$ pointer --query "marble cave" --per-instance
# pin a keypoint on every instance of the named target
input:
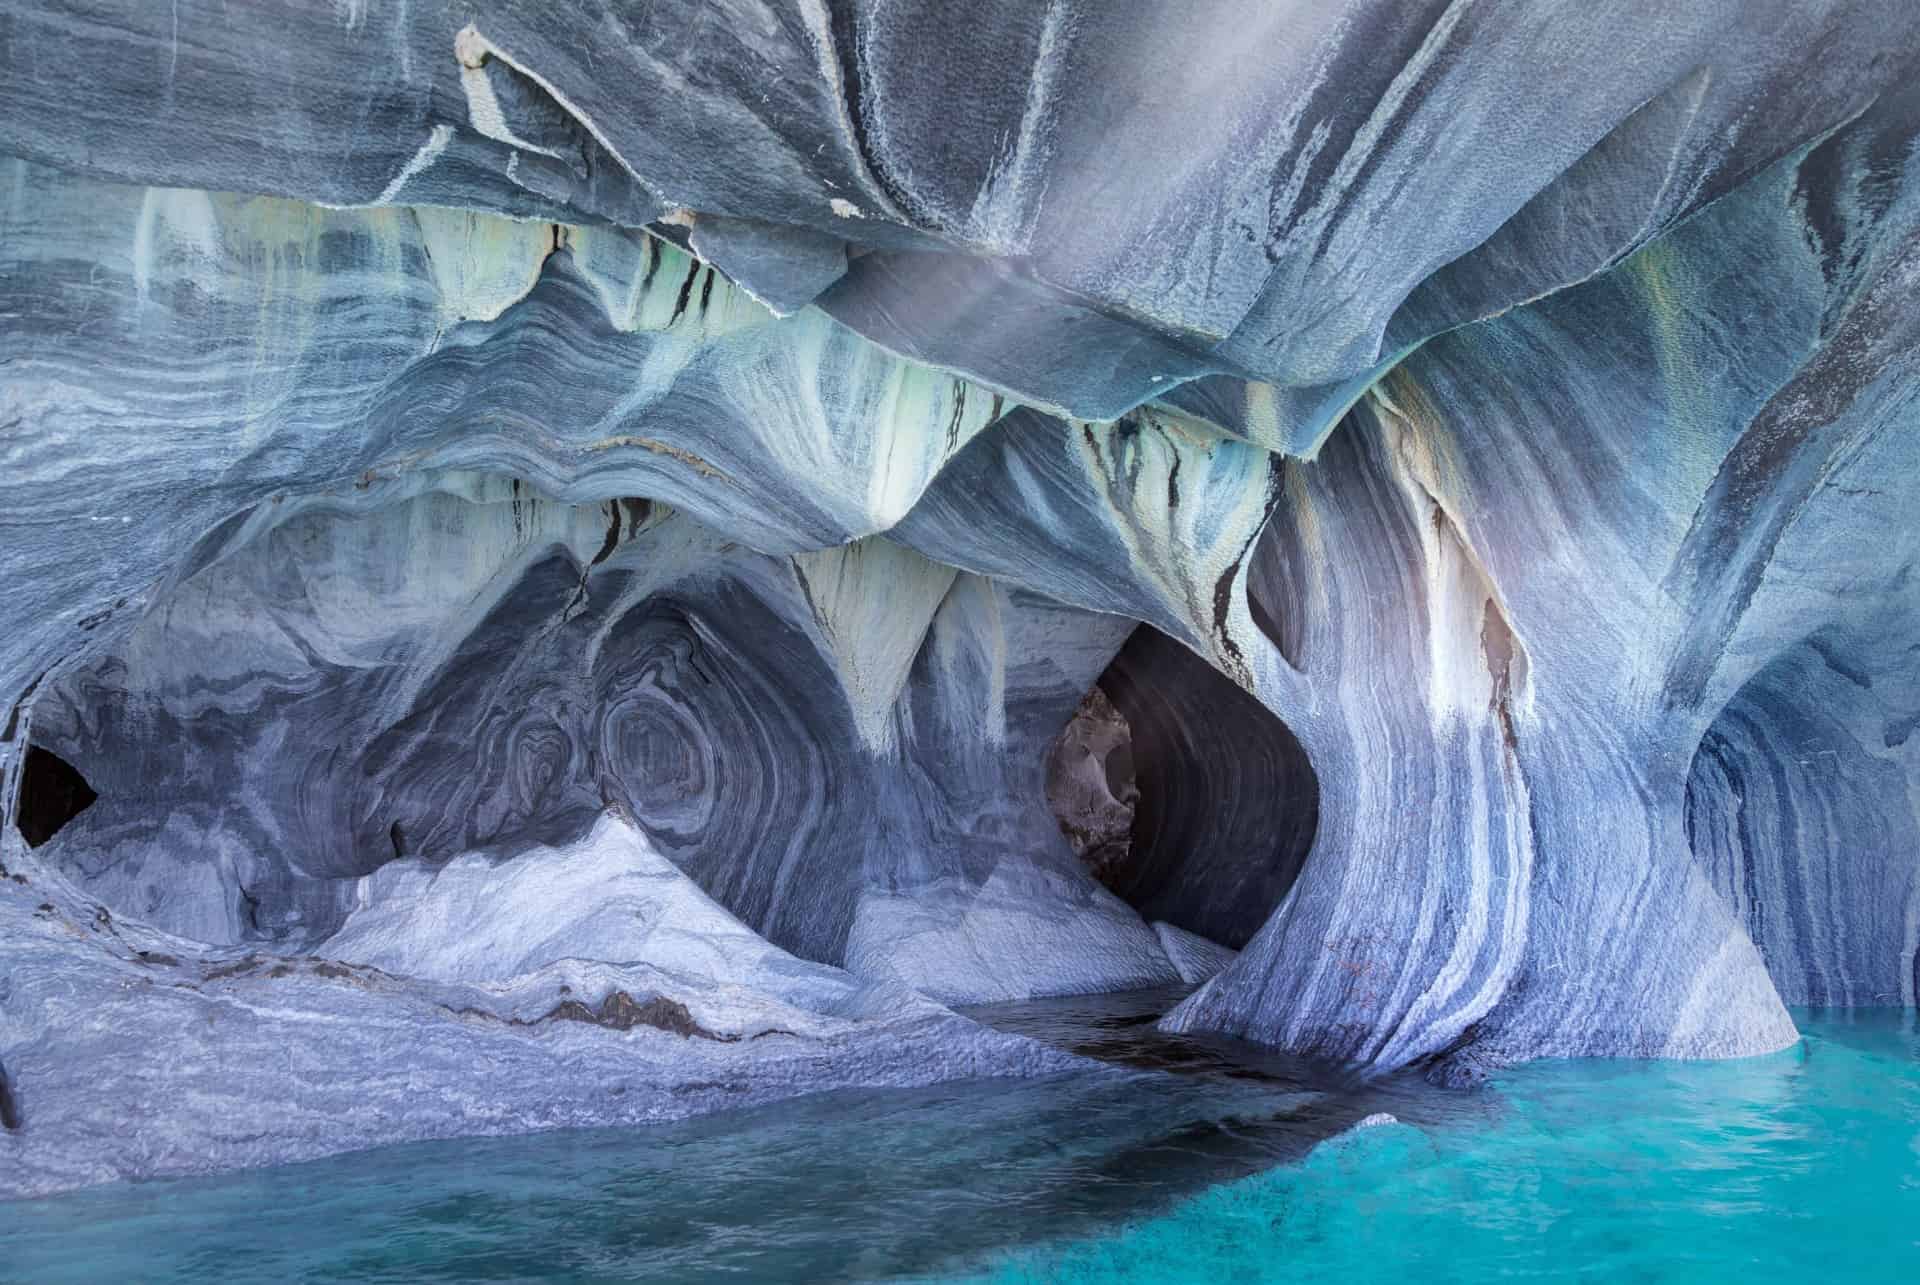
(590, 563)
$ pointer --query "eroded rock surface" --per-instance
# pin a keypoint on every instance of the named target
(543, 581)
(1091, 784)
(821, 742)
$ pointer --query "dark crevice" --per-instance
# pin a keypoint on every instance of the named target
(650, 255)
(1505, 663)
(9, 1108)
(846, 47)
(620, 1011)
(612, 541)
(52, 793)
(1277, 580)
(686, 292)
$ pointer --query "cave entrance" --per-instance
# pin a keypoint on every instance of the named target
(1183, 794)
(52, 793)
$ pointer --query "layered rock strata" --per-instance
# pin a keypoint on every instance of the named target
(534, 519)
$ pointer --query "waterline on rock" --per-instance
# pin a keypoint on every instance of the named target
(1802, 1161)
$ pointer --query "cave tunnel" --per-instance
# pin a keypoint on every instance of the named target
(1183, 794)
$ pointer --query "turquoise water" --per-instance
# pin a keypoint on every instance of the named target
(1191, 1163)
(1801, 1165)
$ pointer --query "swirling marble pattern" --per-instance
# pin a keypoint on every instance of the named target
(1800, 809)
(483, 668)
(265, 350)
(1582, 696)
(491, 758)
(422, 452)
(1445, 536)
(1307, 193)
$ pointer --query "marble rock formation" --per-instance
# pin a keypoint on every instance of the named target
(843, 748)
(577, 562)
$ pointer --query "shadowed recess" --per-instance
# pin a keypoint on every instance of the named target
(52, 793)
(1799, 812)
(1214, 803)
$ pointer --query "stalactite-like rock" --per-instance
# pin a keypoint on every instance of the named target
(263, 349)
(1325, 202)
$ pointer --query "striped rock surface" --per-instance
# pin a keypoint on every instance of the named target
(563, 536)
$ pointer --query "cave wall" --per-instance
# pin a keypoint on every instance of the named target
(1091, 785)
(1524, 443)
(264, 349)
(1804, 793)
(1308, 190)
(1800, 808)
(1570, 518)
(1514, 399)
(831, 743)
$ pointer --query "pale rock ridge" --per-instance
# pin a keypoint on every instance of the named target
(1194, 957)
(609, 896)
(198, 1061)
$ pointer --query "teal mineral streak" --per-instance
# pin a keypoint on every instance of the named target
(1801, 1165)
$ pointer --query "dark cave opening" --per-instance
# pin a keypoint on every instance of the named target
(1184, 795)
(52, 793)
